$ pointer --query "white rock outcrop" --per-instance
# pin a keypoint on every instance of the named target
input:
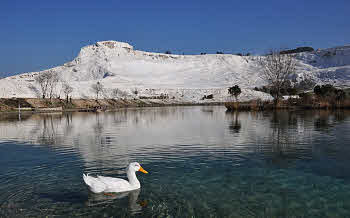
(183, 77)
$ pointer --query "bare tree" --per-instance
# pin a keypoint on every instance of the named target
(67, 89)
(116, 92)
(123, 94)
(47, 81)
(275, 70)
(43, 80)
(53, 83)
(97, 88)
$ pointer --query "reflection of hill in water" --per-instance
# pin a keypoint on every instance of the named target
(171, 132)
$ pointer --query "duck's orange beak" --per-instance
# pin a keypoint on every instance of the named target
(142, 170)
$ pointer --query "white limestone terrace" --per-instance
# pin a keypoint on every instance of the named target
(184, 78)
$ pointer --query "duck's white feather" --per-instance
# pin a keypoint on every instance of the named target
(94, 184)
(115, 184)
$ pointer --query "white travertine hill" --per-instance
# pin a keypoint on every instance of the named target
(183, 77)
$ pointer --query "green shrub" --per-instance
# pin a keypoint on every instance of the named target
(235, 91)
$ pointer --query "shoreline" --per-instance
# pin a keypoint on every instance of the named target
(34, 105)
(269, 106)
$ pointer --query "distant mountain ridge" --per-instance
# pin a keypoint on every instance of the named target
(118, 65)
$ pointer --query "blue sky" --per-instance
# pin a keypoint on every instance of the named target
(37, 34)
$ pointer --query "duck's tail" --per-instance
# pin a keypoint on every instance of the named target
(94, 184)
(86, 179)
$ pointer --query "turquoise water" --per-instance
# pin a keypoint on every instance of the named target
(203, 162)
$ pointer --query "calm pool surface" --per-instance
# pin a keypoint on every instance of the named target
(202, 162)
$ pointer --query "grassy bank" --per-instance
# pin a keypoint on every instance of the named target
(291, 104)
(35, 104)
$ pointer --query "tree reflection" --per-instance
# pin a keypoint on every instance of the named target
(69, 124)
(323, 121)
(341, 116)
(291, 135)
(326, 120)
(50, 125)
(101, 138)
(283, 137)
(98, 126)
(235, 125)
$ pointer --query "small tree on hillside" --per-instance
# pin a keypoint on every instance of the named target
(235, 91)
(115, 93)
(97, 88)
(53, 83)
(42, 80)
(67, 89)
(135, 91)
(318, 91)
(275, 68)
(47, 81)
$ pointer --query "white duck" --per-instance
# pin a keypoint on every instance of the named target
(110, 184)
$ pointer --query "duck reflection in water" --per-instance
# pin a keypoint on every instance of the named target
(133, 204)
